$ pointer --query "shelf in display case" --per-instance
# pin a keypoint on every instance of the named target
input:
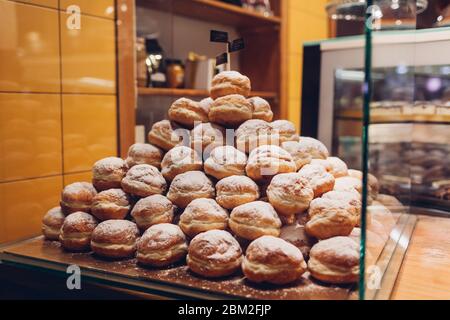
(392, 117)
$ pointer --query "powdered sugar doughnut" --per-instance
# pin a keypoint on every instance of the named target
(76, 231)
(234, 191)
(229, 82)
(107, 173)
(52, 223)
(261, 109)
(111, 204)
(254, 133)
(189, 186)
(144, 153)
(144, 180)
(225, 161)
(77, 196)
(179, 160)
(320, 180)
(153, 210)
(285, 130)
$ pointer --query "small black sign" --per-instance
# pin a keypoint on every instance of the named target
(221, 59)
(236, 45)
(218, 36)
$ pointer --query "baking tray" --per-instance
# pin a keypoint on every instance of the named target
(173, 282)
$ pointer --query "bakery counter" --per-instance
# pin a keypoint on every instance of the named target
(176, 282)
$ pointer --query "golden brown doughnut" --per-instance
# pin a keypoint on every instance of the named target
(110, 204)
(320, 180)
(338, 167)
(255, 219)
(76, 231)
(187, 112)
(314, 147)
(285, 130)
(179, 160)
(77, 196)
(189, 186)
(230, 111)
(206, 103)
(161, 245)
(261, 109)
(254, 133)
(207, 136)
(234, 191)
(202, 215)
(144, 153)
(324, 163)
(335, 260)
(230, 82)
(352, 198)
(144, 180)
(107, 173)
(52, 223)
(267, 161)
(115, 239)
(348, 184)
(290, 194)
(225, 161)
(213, 254)
(372, 182)
(330, 218)
(167, 135)
(273, 260)
(301, 155)
(152, 210)
(296, 234)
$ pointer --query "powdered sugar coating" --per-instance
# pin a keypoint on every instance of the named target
(261, 109)
(338, 251)
(285, 129)
(161, 236)
(109, 165)
(273, 251)
(79, 222)
(216, 246)
(225, 161)
(314, 147)
(116, 232)
(144, 153)
(144, 180)
(179, 160)
(256, 212)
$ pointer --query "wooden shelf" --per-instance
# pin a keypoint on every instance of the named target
(213, 11)
(376, 117)
(194, 93)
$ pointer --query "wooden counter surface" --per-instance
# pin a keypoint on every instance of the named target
(425, 273)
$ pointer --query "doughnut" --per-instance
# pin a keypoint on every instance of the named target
(112, 204)
(261, 109)
(144, 153)
(231, 110)
(324, 163)
(330, 218)
(348, 184)
(224, 162)
(214, 254)
(229, 82)
(144, 180)
(299, 153)
(374, 244)
(254, 133)
(338, 167)
(77, 196)
(187, 112)
(314, 147)
(167, 135)
(161, 245)
(285, 130)
(107, 173)
(255, 219)
(179, 160)
(189, 186)
(352, 198)
(76, 231)
(152, 210)
(115, 239)
(290, 194)
(296, 235)
(372, 182)
(234, 191)
(267, 161)
(335, 260)
(320, 180)
(273, 260)
(206, 136)
(52, 223)
(202, 215)
(206, 103)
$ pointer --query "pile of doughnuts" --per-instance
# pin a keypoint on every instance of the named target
(263, 200)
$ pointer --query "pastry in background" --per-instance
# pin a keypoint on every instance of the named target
(296, 234)
(144, 180)
(255, 219)
(348, 184)
(189, 186)
(224, 162)
(314, 147)
(203, 215)
(254, 133)
(110, 204)
(299, 153)
(230, 82)
(108, 173)
(273, 260)
(261, 109)
(285, 130)
(77, 196)
(207, 136)
(76, 231)
(179, 160)
(234, 191)
(338, 167)
(320, 180)
(144, 153)
(52, 223)
(372, 182)
(115, 239)
(335, 260)
(161, 245)
(167, 135)
(352, 198)
(231, 110)
(153, 210)
(214, 254)
(187, 112)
